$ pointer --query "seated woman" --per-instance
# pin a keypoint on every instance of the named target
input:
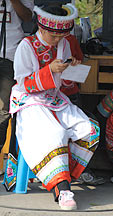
(56, 138)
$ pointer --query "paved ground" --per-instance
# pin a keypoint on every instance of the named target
(91, 201)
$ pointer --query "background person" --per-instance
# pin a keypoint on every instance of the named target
(17, 11)
(104, 114)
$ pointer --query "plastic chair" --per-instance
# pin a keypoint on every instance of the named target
(23, 175)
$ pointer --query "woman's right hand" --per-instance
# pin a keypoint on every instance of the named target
(57, 66)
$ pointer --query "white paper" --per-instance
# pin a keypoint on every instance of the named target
(76, 73)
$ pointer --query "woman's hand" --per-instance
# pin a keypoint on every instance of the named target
(74, 61)
(57, 66)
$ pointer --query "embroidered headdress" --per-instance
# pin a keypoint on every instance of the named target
(56, 23)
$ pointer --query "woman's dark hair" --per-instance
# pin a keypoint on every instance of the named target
(55, 9)
(35, 25)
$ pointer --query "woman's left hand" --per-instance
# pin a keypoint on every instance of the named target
(74, 61)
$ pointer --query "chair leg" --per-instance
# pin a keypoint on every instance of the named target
(22, 175)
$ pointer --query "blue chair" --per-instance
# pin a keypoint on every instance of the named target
(23, 175)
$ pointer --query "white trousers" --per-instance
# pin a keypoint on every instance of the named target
(39, 133)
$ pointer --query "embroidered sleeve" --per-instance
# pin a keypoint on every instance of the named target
(39, 81)
(27, 73)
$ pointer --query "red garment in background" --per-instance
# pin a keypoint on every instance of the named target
(109, 133)
(69, 87)
(75, 47)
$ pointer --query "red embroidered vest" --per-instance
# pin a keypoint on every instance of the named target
(45, 54)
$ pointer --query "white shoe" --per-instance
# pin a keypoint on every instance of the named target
(66, 200)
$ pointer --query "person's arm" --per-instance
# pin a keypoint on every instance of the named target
(22, 11)
(27, 73)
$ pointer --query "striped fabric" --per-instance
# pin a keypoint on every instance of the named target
(105, 107)
(109, 133)
(39, 81)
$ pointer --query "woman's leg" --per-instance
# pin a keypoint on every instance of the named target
(39, 134)
(81, 151)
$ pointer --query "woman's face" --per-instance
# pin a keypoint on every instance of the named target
(52, 39)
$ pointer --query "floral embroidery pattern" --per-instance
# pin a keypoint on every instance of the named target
(37, 43)
(56, 100)
(38, 46)
(45, 53)
(46, 57)
(93, 130)
(94, 137)
(31, 88)
(55, 24)
(95, 133)
(18, 102)
(49, 97)
(11, 170)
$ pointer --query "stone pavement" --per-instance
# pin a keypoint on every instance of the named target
(91, 201)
